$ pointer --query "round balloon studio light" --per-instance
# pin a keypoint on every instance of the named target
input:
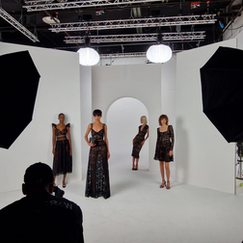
(88, 56)
(159, 53)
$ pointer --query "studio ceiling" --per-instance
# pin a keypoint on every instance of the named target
(118, 26)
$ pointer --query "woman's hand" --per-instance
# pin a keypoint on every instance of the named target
(53, 151)
(91, 144)
(170, 153)
(108, 155)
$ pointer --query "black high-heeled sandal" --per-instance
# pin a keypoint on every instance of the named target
(163, 184)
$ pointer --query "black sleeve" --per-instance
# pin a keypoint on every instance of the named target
(172, 137)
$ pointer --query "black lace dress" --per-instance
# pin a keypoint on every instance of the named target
(97, 182)
(165, 143)
(137, 141)
(62, 161)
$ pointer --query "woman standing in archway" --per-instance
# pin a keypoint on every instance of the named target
(164, 148)
(139, 141)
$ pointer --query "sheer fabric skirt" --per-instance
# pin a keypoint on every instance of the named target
(62, 161)
(162, 151)
(97, 182)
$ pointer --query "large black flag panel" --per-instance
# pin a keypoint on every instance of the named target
(18, 84)
(222, 92)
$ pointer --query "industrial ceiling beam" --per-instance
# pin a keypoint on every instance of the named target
(6, 16)
(181, 36)
(123, 55)
(135, 23)
(32, 6)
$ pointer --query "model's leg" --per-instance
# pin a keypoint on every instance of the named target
(133, 163)
(167, 168)
(63, 181)
(104, 176)
(162, 171)
(137, 163)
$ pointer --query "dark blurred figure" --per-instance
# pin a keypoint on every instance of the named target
(41, 217)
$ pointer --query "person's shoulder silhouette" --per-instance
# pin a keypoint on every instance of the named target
(39, 216)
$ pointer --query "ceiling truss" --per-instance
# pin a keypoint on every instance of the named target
(134, 23)
(123, 55)
(17, 25)
(187, 36)
(32, 6)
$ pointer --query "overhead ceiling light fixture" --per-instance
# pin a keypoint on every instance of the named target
(50, 20)
(87, 55)
(159, 53)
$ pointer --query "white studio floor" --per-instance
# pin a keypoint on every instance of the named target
(140, 212)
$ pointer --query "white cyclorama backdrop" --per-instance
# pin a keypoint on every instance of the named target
(204, 157)
(111, 86)
(142, 82)
(86, 112)
(139, 81)
(58, 91)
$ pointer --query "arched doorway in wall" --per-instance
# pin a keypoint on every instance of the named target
(123, 119)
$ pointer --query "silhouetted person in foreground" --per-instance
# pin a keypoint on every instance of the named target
(41, 217)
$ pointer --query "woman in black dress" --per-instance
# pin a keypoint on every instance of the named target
(97, 181)
(164, 148)
(139, 141)
(61, 149)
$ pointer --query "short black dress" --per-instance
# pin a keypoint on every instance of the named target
(137, 141)
(165, 143)
(62, 161)
(97, 181)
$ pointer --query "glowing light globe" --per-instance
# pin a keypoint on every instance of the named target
(88, 56)
(159, 53)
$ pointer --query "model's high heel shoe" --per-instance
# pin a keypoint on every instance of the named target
(163, 184)
(63, 184)
(168, 185)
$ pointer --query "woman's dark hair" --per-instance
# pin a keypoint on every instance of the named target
(163, 117)
(60, 114)
(97, 113)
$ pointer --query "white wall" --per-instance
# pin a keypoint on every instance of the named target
(142, 82)
(130, 78)
(204, 158)
(59, 91)
(240, 37)
(86, 112)
(122, 61)
(168, 100)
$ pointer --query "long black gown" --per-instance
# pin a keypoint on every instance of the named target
(97, 182)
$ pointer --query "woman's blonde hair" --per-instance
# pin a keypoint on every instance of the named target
(144, 119)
